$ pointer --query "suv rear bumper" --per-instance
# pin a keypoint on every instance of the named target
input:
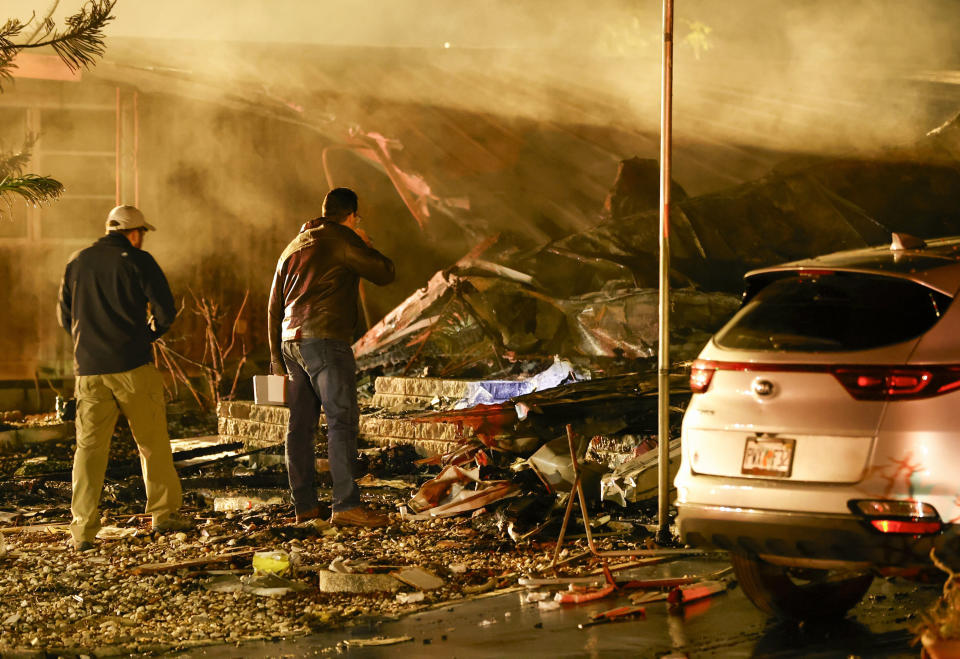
(805, 536)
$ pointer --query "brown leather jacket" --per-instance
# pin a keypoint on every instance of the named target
(315, 287)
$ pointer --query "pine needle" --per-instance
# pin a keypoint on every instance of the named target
(31, 188)
(13, 162)
(78, 45)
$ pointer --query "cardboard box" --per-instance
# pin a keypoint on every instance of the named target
(270, 389)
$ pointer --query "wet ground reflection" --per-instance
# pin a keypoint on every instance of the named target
(725, 626)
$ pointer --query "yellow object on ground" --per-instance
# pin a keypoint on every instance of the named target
(273, 562)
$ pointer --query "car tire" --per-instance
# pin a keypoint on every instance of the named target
(799, 594)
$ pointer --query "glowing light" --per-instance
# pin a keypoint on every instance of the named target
(911, 527)
(446, 44)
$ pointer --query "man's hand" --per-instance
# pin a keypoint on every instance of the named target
(363, 236)
(278, 368)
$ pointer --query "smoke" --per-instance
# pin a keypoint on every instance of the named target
(803, 75)
(808, 75)
(239, 99)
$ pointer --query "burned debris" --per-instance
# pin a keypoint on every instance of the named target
(509, 415)
(475, 518)
(509, 424)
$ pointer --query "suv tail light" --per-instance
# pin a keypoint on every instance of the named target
(903, 517)
(897, 383)
(908, 526)
(869, 382)
(701, 373)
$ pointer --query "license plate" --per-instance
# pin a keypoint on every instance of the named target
(768, 457)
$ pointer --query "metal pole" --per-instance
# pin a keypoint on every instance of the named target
(136, 149)
(663, 353)
(117, 164)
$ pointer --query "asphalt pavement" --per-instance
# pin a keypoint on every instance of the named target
(726, 625)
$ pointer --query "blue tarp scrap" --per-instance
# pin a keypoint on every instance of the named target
(491, 392)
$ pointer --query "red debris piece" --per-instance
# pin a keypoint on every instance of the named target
(455, 490)
(696, 591)
(579, 596)
(487, 421)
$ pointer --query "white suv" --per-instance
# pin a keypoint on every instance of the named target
(822, 442)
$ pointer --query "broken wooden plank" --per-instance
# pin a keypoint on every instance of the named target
(36, 528)
(157, 568)
(647, 596)
(673, 582)
(615, 615)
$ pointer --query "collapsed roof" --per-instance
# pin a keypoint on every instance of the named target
(499, 150)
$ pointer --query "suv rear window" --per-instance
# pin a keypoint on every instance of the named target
(836, 311)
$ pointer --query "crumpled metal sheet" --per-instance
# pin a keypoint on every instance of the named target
(624, 321)
(637, 479)
(491, 315)
(553, 463)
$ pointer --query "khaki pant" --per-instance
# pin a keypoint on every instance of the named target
(100, 399)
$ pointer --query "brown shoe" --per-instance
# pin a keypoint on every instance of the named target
(306, 515)
(359, 516)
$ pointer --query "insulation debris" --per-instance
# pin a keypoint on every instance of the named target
(419, 578)
(636, 479)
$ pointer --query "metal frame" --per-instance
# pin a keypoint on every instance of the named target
(577, 491)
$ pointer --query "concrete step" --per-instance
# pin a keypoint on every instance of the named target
(263, 433)
(426, 387)
(250, 411)
(264, 425)
(16, 439)
(402, 394)
(404, 402)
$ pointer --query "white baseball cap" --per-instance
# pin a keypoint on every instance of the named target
(127, 217)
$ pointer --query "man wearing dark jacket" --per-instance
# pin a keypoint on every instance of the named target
(313, 314)
(104, 296)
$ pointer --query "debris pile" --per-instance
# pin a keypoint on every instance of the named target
(498, 320)
(471, 519)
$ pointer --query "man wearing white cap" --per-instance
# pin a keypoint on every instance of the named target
(104, 297)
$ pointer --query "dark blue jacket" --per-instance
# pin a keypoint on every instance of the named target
(103, 304)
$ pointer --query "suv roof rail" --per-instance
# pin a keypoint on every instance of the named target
(903, 241)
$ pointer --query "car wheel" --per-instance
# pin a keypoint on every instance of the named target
(799, 594)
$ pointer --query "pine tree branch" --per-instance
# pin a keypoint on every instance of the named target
(82, 42)
(32, 188)
(13, 162)
(78, 45)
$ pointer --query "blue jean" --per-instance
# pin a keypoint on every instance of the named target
(321, 372)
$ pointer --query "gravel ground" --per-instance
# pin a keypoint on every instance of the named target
(55, 601)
